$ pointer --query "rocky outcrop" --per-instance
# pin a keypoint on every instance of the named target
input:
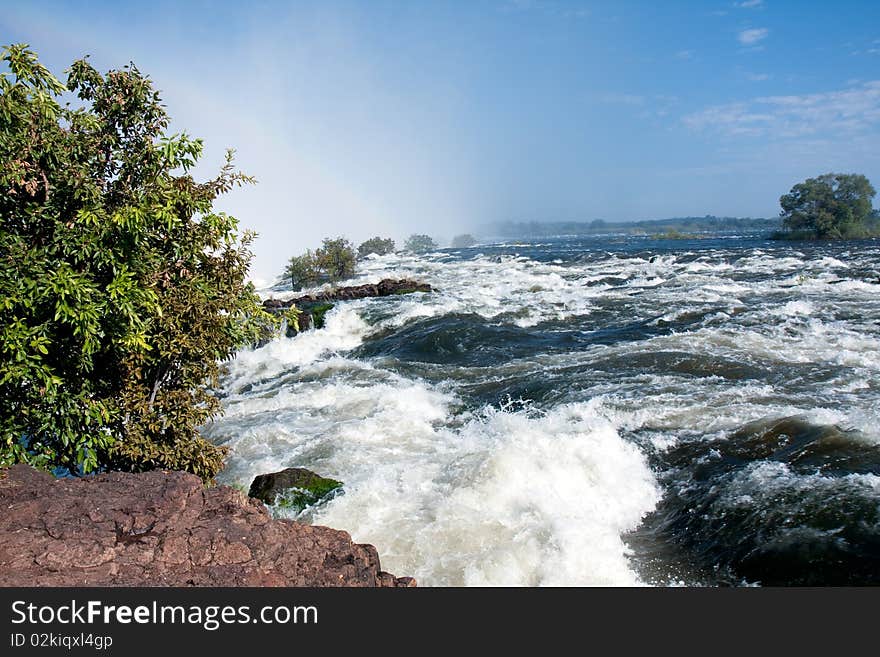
(164, 529)
(294, 488)
(384, 288)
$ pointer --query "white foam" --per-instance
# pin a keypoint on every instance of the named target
(793, 308)
(498, 499)
(759, 485)
(343, 330)
(512, 500)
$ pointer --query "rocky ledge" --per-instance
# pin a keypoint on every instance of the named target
(384, 288)
(164, 529)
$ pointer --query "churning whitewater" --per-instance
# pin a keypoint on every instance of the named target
(604, 411)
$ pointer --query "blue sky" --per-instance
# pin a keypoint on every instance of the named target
(362, 118)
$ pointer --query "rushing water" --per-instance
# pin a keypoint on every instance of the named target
(609, 411)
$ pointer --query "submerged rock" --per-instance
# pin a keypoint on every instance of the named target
(294, 488)
(164, 529)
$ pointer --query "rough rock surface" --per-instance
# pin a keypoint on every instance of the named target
(310, 487)
(385, 287)
(164, 529)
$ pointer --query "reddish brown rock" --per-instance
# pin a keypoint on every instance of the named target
(384, 288)
(164, 529)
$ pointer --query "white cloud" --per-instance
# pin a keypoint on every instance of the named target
(748, 4)
(845, 112)
(753, 36)
(684, 54)
(757, 77)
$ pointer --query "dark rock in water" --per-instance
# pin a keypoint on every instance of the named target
(164, 529)
(383, 288)
(314, 315)
(294, 488)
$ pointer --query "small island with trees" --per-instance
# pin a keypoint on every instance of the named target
(830, 206)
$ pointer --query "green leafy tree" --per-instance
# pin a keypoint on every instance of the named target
(303, 271)
(831, 206)
(336, 258)
(420, 244)
(121, 288)
(376, 245)
(463, 241)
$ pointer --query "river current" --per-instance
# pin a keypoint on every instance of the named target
(613, 410)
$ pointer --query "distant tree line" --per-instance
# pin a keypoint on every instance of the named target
(830, 206)
(707, 223)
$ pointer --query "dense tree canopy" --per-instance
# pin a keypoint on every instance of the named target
(302, 271)
(120, 287)
(834, 205)
(335, 260)
(420, 244)
(376, 245)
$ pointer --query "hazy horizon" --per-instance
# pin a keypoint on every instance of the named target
(384, 118)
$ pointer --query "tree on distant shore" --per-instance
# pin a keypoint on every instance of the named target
(121, 288)
(463, 241)
(831, 206)
(376, 245)
(420, 244)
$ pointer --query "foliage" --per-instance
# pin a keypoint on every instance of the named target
(318, 312)
(420, 244)
(376, 245)
(463, 241)
(120, 287)
(335, 260)
(676, 235)
(831, 206)
(303, 270)
(703, 224)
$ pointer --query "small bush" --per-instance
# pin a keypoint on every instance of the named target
(376, 245)
(420, 244)
(335, 260)
(303, 271)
